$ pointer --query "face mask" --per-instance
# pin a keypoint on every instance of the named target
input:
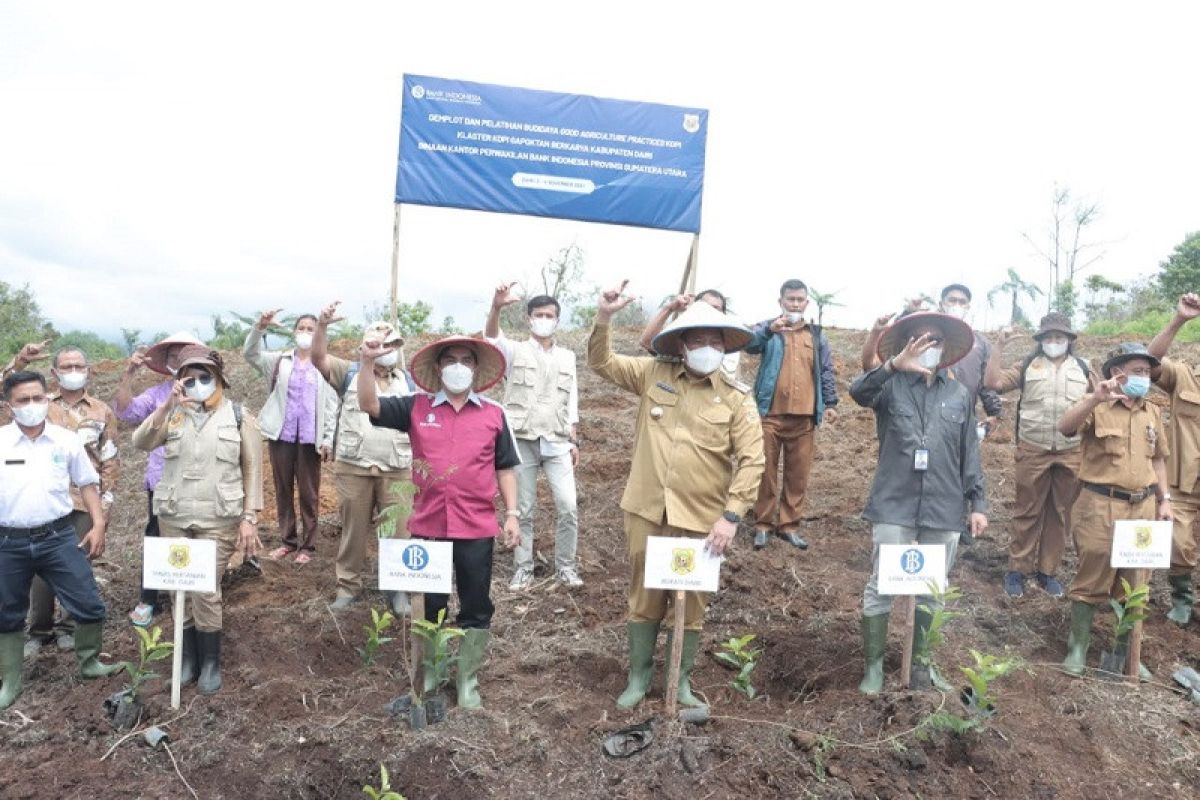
(704, 360)
(542, 327)
(32, 415)
(1136, 386)
(958, 312)
(388, 359)
(931, 358)
(794, 316)
(73, 381)
(457, 378)
(1054, 349)
(304, 340)
(201, 389)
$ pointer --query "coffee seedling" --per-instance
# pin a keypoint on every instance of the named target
(1132, 609)
(435, 649)
(375, 638)
(150, 648)
(976, 696)
(737, 653)
(385, 791)
(939, 612)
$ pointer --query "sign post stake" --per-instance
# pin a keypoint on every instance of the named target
(417, 604)
(910, 615)
(1140, 577)
(676, 656)
(395, 292)
(177, 652)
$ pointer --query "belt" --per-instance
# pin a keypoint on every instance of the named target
(38, 530)
(1119, 494)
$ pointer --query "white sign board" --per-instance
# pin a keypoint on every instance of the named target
(908, 568)
(681, 563)
(1141, 544)
(179, 564)
(416, 565)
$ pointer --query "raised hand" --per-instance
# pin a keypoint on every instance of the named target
(329, 314)
(34, 351)
(881, 322)
(613, 300)
(1111, 388)
(266, 319)
(680, 302)
(909, 359)
(137, 360)
(372, 349)
(1189, 306)
(505, 296)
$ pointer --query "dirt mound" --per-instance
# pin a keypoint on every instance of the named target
(299, 717)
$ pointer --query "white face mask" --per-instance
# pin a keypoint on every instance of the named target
(1054, 349)
(200, 391)
(32, 415)
(704, 360)
(543, 327)
(931, 358)
(304, 340)
(457, 378)
(73, 381)
(388, 359)
(958, 312)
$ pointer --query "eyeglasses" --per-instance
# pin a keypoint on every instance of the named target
(190, 383)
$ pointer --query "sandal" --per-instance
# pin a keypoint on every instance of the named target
(303, 558)
(628, 741)
(280, 553)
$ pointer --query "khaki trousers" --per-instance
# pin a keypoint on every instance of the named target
(363, 500)
(780, 504)
(1184, 552)
(1092, 520)
(650, 605)
(1046, 490)
(205, 610)
(41, 596)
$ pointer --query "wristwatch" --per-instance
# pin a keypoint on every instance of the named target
(250, 516)
(729, 516)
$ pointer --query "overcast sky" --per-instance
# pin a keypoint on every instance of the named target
(161, 162)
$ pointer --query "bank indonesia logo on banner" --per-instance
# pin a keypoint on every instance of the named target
(416, 557)
(912, 562)
(526, 151)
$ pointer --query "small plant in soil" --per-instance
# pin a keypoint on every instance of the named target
(151, 648)
(939, 613)
(385, 791)
(1132, 609)
(375, 638)
(435, 648)
(977, 696)
(737, 653)
(820, 753)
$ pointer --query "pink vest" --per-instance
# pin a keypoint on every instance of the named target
(454, 469)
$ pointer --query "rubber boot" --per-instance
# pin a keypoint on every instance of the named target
(470, 656)
(1182, 598)
(874, 633)
(1079, 639)
(643, 636)
(208, 652)
(924, 674)
(88, 639)
(687, 660)
(12, 654)
(432, 680)
(188, 669)
(1121, 652)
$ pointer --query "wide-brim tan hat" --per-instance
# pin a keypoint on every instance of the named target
(201, 355)
(702, 315)
(156, 356)
(383, 332)
(1054, 322)
(957, 336)
(489, 363)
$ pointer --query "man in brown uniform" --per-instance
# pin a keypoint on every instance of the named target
(697, 461)
(1182, 383)
(73, 408)
(1051, 379)
(1123, 474)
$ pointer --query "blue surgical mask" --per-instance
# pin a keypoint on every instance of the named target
(1136, 386)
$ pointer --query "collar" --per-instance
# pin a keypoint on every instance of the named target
(941, 376)
(682, 372)
(440, 398)
(86, 400)
(11, 434)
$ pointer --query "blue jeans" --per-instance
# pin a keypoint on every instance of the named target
(57, 559)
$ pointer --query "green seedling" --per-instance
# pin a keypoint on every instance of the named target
(939, 613)
(435, 650)
(978, 698)
(737, 653)
(820, 751)
(151, 648)
(401, 497)
(385, 791)
(1132, 609)
(375, 638)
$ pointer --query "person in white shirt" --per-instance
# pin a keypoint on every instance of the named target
(541, 398)
(39, 462)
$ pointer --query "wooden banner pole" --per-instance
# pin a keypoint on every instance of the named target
(688, 284)
(417, 604)
(676, 655)
(910, 615)
(1141, 577)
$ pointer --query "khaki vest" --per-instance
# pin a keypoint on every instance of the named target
(537, 394)
(202, 472)
(1048, 392)
(364, 445)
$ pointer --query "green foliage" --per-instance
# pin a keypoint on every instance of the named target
(939, 613)
(820, 753)
(1066, 299)
(986, 669)
(385, 791)
(823, 301)
(1015, 287)
(737, 653)
(631, 316)
(435, 650)
(151, 648)
(129, 337)
(402, 495)
(449, 327)
(375, 638)
(1180, 273)
(95, 348)
(1133, 607)
(412, 319)
(229, 335)
(1141, 328)
(21, 320)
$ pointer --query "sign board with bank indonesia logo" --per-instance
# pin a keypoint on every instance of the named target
(681, 563)
(907, 569)
(416, 565)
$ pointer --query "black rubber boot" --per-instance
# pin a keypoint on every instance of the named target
(209, 656)
(1182, 598)
(188, 669)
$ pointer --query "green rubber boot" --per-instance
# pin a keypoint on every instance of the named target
(470, 656)
(923, 673)
(88, 638)
(687, 660)
(432, 679)
(1080, 637)
(12, 654)
(1182, 598)
(874, 633)
(642, 638)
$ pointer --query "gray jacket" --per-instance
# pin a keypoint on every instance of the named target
(940, 418)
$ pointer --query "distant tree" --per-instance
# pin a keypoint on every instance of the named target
(449, 327)
(95, 348)
(1066, 299)
(1015, 286)
(21, 320)
(1067, 250)
(129, 337)
(227, 335)
(823, 300)
(1180, 273)
(633, 315)
(1100, 294)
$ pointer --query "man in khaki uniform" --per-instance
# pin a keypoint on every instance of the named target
(1182, 383)
(1123, 475)
(1051, 379)
(697, 461)
(71, 407)
(372, 466)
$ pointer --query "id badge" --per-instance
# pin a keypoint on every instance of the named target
(921, 459)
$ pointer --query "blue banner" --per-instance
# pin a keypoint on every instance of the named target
(524, 151)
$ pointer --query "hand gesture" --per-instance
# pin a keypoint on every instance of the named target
(1189, 306)
(613, 300)
(1111, 388)
(266, 319)
(831, 415)
(372, 349)
(779, 324)
(909, 359)
(137, 360)
(977, 524)
(505, 296)
(914, 304)
(881, 323)
(329, 314)
(1009, 334)
(679, 302)
(93, 543)
(720, 536)
(34, 351)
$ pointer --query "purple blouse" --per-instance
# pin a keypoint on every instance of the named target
(138, 409)
(300, 417)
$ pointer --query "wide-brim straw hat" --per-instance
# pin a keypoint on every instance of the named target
(1127, 351)
(383, 332)
(200, 355)
(957, 336)
(156, 356)
(702, 315)
(1055, 322)
(489, 363)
